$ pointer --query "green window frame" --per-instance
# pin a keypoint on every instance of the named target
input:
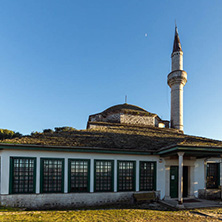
(78, 175)
(52, 175)
(213, 175)
(103, 175)
(22, 178)
(147, 176)
(126, 175)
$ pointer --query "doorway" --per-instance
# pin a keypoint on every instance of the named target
(174, 181)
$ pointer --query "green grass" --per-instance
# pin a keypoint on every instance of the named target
(110, 215)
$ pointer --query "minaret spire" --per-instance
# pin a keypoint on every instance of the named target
(177, 80)
(176, 45)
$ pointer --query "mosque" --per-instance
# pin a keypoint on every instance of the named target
(124, 151)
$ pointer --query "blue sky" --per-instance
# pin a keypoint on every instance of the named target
(61, 61)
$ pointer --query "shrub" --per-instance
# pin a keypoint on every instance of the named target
(33, 133)
(64, 129)
(48, 131)
(8, 134)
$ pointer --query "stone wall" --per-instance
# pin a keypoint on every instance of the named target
(68, 200)
(209, 194)
(137, 120)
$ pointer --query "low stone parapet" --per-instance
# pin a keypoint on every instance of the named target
(209, 194)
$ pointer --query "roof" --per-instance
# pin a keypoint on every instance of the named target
(176, 44)
(125, 108)
(117, 137)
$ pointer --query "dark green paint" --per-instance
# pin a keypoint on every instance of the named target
(42, 174)
(112, 166)
(154, 176)
(69, 173)
(174, 181)
(11, 170)
(134, 175)
(73, 149)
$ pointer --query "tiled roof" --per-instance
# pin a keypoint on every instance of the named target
(117, 136)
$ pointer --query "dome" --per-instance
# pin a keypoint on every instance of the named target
(124, 114)
(126, 108)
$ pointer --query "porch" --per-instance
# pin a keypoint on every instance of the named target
(180, 167)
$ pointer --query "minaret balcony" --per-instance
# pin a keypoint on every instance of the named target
(177, 77)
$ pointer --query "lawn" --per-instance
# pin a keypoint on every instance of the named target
(108, 215)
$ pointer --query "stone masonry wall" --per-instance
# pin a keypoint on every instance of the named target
(62, 201)
(209, 194)
(113, 118)
(137, 120)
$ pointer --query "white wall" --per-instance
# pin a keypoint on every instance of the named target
(200, 173)
(199, 176)
(5, 157)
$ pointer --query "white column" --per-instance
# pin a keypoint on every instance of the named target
(38, 175)
(180, 181)
(137, 176)
(92, 175)
(205, 173)
(220, 173)
(167, 182)
(191, 184)
(115, 175)
(5, 162)
(66, 175)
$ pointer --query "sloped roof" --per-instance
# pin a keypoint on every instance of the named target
(117, 137)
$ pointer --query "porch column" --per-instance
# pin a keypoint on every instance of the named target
(180, 181)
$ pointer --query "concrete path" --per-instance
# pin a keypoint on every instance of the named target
(191, 203)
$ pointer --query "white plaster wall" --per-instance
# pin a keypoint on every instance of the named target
(6, 154)
(199, 176)
(200, 173)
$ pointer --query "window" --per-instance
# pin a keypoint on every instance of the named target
(126, 175)
(103, 180)
(52, 175)
(79, 175)
(213, 175)
(147, 176)
(22, 175)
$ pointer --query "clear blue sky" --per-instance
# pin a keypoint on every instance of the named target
(61, 61)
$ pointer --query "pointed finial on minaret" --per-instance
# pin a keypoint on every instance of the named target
(176, 44)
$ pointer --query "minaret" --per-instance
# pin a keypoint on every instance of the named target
(177, 80)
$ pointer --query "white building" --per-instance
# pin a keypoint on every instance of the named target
(125, 150)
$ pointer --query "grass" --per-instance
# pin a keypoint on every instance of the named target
(109, 215)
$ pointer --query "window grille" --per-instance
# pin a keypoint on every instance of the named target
(104, 175)
(52, 175)
(213, 178)
(22, 177)
(126, 175)
(79, 175)
(147, 176)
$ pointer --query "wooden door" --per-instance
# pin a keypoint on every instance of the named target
(174, 181)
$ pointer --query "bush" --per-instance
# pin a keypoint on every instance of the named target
(48, 131)
(8, 134)
(64, 129)
(33, 133)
